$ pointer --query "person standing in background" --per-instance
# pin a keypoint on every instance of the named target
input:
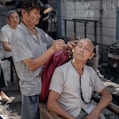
(6, 32)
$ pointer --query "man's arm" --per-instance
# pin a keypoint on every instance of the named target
(33, 64)
(105, 100)
(54, 107)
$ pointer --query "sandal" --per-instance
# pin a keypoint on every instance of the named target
(4, 96)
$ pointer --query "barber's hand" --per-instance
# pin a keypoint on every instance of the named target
(71, 44)
(57, 45)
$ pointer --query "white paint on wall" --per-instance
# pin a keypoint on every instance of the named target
(85, 13)
(112, 4)
(82, 5)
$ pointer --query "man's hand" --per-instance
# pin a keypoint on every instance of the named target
(71, 44)
(93, 115)
(57, 45)
(105, 100)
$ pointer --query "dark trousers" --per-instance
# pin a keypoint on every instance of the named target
(12, 68)
(2, 82)
(30, 107)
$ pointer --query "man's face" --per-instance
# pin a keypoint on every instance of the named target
(32, 18)
(83, 50)
(13, 19)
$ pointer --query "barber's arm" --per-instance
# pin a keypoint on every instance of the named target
(105, 100)
(35, 63)
(54, 106)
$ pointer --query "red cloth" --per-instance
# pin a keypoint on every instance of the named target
(55, 60)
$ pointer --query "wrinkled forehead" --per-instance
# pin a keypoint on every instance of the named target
(11, 13)
(87, 43)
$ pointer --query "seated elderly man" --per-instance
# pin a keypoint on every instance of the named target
(72, 86)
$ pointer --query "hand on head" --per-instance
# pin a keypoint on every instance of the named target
(58, 45)
(71, 44)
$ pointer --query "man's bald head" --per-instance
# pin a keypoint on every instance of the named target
(89, 43)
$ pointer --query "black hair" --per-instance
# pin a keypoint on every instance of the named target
(29, 4)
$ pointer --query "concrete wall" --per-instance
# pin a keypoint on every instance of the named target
(91, 9)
